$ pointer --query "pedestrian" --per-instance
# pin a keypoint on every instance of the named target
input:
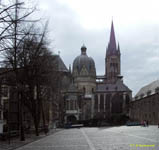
(147, 122)
(144, 123)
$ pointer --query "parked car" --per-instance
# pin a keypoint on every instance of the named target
(133, 123)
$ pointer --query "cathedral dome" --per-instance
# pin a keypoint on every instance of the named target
(84, 65)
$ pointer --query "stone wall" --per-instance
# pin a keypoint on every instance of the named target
(146, 108)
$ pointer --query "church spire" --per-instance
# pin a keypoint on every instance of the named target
(112, 42)
(112, 66)
(118, 48)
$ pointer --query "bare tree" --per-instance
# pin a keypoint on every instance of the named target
(39, 68)
(25, 51)
(13, 19)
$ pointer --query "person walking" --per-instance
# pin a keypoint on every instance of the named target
(147, 122)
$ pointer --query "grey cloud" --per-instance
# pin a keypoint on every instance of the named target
(138, 45)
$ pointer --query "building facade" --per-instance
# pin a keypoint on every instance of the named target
(101, 97)
(145, 104)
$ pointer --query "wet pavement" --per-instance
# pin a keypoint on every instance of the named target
(104, 138)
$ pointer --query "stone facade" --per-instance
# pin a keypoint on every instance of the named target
(100, 97)
(145, 104)
(112, 100)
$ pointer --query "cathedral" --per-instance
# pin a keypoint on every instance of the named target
(91, 96)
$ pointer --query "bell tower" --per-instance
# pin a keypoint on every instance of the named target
(112, 59)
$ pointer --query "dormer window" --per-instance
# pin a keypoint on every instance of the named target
(157, 90)
(136, 97)
(142, 95)
(148, 92)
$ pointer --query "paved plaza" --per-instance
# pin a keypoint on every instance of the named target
(104, 138)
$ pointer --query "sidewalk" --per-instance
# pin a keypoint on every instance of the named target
(15, 142)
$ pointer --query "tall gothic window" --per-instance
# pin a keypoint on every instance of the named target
(71, 104)
(107, 101)
(96, 102)
(75, 104)
(67, 105)
(101, 102)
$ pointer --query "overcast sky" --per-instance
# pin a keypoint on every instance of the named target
(136, 23)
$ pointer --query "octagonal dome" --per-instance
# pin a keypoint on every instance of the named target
(84, 65)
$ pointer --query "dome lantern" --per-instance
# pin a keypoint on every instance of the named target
(83, 50)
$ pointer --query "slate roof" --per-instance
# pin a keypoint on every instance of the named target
(112, 48)
(59, 62)
(118, 86)
(61, 66)
(149, 89)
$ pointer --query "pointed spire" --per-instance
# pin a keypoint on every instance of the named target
(70, 68)
(118, 48)
(112, 42)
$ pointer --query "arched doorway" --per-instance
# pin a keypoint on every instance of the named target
(71, 119)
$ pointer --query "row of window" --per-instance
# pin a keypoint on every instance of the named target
(149, 92)
(153, 114)
(71, 105)
(145, 116)
(144, 102)
(116, 105)
(114, 65)
(101, 102)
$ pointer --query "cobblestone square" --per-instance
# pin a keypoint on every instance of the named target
(104, 138)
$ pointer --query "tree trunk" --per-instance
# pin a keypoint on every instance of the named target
(36, 125)
(22, 136)
(43, 116)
